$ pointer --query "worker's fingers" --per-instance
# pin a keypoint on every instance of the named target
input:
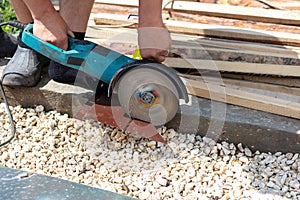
(160, 59)
(156, 55)
(164, 53)
(71, 34)
(64, 45)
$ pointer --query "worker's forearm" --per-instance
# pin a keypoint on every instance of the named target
(150, 13)
(39, 8)
(48, 24)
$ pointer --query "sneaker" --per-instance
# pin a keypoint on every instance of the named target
(61, 73)
(24, 68)
(8, 44)
(64, 74)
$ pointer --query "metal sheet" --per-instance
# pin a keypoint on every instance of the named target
(21, 185)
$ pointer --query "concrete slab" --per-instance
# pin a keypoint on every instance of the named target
(52, 95)
(255, 129)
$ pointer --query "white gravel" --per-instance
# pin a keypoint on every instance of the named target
(189, 167)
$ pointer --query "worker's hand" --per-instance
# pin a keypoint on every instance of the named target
(52, 28)
(154, 43)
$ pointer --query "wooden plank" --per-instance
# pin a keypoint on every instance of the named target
(238, 45)
(121, 35)
(196, 41)
(190, 41)
(242, 98)
(225, 54)
(233, 33)
(210, 30)
(238, 12)
(289, 51)
(284, 81)
(283, 5)
(129, 3)
(240, 67)
(226, 11)
(261, 88)
(197, 51)
(271, 4)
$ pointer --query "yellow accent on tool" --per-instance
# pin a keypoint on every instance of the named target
(137, 54)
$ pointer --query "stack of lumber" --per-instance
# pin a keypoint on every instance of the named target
(252, 67)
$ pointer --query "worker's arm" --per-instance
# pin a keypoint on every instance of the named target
(150, 13)
(154, 38)
(48, 24)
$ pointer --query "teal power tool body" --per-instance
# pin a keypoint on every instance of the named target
(146, 90)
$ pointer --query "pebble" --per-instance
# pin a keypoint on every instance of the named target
(289, 162)
(189, 167)
(248, 152)
(209, 141)
(144, 195)
(295, 157)
(5, 156)
(240, 147)
(151, 144)
(162, 181)
(270, 184)
(191, 172)
(39, 108)
(118, 180)
(269, 159)
(243, 159)
(294, 184)
(226, 151)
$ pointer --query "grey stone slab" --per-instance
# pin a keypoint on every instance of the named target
(255, 129)
(52, 95)
(21, 185)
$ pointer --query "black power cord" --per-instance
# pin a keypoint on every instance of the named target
(18, 25)
(12, 123)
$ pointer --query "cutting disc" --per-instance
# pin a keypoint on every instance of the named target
(148, 94)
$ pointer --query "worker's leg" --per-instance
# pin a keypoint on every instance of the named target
(22, 12)
(8, 44)
(24, 68)
(76, 14)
